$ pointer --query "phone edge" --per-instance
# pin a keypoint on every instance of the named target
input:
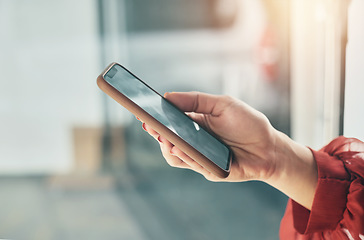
(167, 133)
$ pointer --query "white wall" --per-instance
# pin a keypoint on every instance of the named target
(48, 64)
(354, 92)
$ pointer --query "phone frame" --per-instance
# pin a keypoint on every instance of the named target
(159, 127)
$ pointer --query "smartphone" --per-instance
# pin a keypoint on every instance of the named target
(166, 119)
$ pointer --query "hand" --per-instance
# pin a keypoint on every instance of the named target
(260, 152)
(247, 132)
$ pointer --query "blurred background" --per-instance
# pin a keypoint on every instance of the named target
(76, 165)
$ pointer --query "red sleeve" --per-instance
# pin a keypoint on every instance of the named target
(338, 207)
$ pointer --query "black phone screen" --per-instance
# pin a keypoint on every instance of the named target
(168, 115)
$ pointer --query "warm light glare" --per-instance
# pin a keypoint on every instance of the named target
(320, 12)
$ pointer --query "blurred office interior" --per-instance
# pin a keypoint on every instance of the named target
(76, 165)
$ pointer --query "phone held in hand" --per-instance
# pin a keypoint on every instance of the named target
(166, 119)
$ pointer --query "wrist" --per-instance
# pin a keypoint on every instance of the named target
(296, 170)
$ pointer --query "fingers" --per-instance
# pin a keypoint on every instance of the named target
(166, 147)
(175, 157)
(196, 102)
(151, 131)
(172, 160)
(190, 162)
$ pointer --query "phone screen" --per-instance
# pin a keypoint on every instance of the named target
(168, 115)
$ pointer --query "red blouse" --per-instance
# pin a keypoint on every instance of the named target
(338, 207)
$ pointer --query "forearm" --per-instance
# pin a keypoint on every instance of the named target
(296, 173)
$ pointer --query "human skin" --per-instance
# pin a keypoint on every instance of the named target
(260, 152)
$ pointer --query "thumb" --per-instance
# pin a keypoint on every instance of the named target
(195, 102)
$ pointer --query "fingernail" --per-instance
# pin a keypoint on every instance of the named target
(143, 126)
(159, 139)
(167, 93)
(137, 118)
